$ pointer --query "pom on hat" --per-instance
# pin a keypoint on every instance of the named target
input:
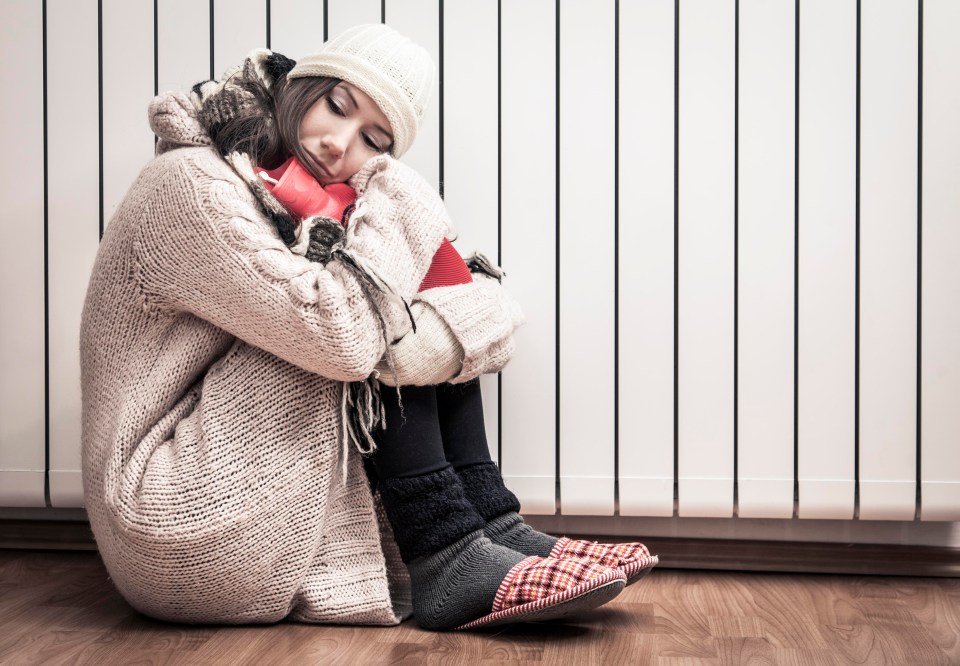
(395, 72)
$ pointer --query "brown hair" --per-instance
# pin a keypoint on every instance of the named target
(267, 128)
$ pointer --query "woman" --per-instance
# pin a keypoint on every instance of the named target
(224, 375)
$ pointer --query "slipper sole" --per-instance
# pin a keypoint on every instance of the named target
(582, 597)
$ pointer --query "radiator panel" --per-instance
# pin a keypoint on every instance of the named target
(420, 20)
(765, 259)
(645, 275)
(888, 260)
(183, 44)
(296, 26)
(528, 223)
(236, 25)
(22, 299)
(739, 287)
(73, 221)
(827, 244)
(706, 258)
(471, 181)
(940, 325)
(127, 83)
(342, 14)
(587, 277)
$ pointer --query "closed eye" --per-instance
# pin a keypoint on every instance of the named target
(373, 144)
(335, 106)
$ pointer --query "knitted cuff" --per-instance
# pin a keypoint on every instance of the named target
(428, 512)
(482, 317)
(428, 356)
(485, 490)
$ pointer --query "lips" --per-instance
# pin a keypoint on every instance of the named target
(327, 176)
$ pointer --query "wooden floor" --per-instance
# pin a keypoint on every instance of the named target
(60, 608)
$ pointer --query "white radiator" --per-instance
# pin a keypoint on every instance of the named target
(734, 227)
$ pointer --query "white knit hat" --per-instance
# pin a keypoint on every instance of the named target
(395, 72)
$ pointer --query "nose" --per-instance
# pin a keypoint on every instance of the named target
(335, 143)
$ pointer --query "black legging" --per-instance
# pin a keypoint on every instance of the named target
(432, 427)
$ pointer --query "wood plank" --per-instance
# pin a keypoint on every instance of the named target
(672, 615)
(806, 557)
(46, 534)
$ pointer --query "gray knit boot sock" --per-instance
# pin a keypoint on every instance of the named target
(458, 584)
(454, 570)
(509, 530)
(498, 506)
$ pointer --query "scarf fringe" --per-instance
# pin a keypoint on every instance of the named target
(480, 263)
(361, 411)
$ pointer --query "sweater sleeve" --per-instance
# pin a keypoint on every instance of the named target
(481, 316)
(203, 247)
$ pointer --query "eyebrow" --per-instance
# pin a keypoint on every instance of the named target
(347, 90)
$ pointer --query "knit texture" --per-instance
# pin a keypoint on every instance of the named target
(483, 318)
(428, 512)
(481, 314)
(430, 356)
(540, 589)
(391, 195)
(484, 488)
(459, 583)
(509, 530)
(212, 363)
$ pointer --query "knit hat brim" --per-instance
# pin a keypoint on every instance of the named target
(380, 88)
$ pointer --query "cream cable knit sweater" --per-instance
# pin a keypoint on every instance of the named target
(213, 361)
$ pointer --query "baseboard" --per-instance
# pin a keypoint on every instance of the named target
(46, 535)
(803, 557)
(674, 553)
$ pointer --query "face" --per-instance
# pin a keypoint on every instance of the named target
(341, 131)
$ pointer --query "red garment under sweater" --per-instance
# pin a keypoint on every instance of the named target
(303, 196)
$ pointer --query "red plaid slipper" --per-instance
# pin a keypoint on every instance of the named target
(538, 589)
(633, 559)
